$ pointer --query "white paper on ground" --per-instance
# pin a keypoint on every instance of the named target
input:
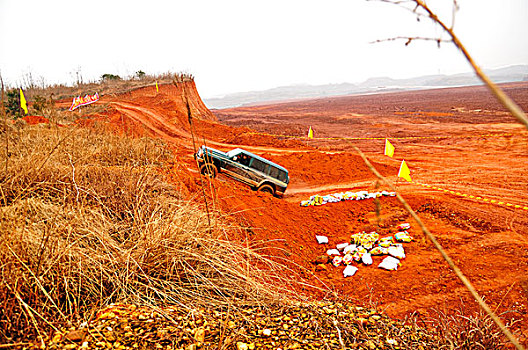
(349, 248)
(342, 246)
(333, 252)
(349, 271)
(396, 251)
(367, 259)
(321, 239)
(389, 263)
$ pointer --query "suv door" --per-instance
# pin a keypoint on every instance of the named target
(260, 171)
(240, 170)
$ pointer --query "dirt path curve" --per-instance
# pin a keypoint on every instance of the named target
(171, 133)
(295, 190)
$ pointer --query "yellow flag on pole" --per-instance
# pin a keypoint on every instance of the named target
(157, 90)
(310, 133)
(23, 103)
(389, 148)
(404, 171)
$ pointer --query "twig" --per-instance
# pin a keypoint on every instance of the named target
(410, 39)
(73, 178)
(506, 101)
(189, 117)
(37, 281)
(42, 165)
(14, 345)
(499, 94)
(33, 320)
(5, 125)
(446, 257)
(339, 335)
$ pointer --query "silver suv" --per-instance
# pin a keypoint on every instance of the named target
(257, 172)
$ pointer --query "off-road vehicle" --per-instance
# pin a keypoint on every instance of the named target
(257, 172)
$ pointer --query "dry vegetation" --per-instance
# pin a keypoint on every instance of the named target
(87, 219)
(32, 89)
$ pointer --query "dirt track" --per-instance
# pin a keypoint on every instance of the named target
(489, 242)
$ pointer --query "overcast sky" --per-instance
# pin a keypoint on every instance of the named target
(242, 45)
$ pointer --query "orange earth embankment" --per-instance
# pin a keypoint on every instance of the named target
(489, 242)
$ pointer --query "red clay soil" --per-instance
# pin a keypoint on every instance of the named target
(489, 242)
(35, 119)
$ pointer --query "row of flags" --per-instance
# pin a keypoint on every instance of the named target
(23, 102)
(404, 171)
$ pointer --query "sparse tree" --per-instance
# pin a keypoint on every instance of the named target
(107, 77)
(140, 74)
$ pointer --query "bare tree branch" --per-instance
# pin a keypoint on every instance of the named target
(504, 99)
(408, 40)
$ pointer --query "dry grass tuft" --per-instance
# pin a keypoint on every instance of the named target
(87, 219)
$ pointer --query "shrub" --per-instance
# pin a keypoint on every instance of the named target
(107, 77)
(12, 104)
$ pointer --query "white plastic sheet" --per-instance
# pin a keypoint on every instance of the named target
(321, 239)
(389, 263)
(349, 271)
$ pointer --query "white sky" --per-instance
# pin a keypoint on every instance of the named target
(241, 45)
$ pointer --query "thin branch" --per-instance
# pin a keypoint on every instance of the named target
(5, 125)
(409, 39)
(506, 101)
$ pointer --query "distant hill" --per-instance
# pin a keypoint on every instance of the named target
(378, 84)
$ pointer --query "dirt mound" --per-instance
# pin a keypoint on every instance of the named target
(169, 97)
(35, 119)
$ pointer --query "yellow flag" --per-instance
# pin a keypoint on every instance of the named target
(310, 133)
(389, 148)
(404, 171)
(23, 103)
(157, 90)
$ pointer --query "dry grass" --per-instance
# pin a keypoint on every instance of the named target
(87, 218)
(60, 91)
(465, 330)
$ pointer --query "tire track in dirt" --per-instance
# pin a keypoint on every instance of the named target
(171, 133)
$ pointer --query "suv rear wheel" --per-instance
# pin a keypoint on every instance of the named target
(267, 188)
(208, 169)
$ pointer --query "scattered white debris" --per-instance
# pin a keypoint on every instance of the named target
(342, 246)
(389, 263)
(344, 196)
(367, 259)
(333, 252)
(349, 271)
(364, 246)
(351, 248)
(403, 227)
(396, 251)
(321, 239)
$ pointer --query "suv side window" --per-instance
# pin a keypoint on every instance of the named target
(259, 165)
(278, 174)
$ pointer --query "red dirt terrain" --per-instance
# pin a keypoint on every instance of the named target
(488, 241)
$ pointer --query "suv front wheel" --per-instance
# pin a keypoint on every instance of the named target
(208, 169)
